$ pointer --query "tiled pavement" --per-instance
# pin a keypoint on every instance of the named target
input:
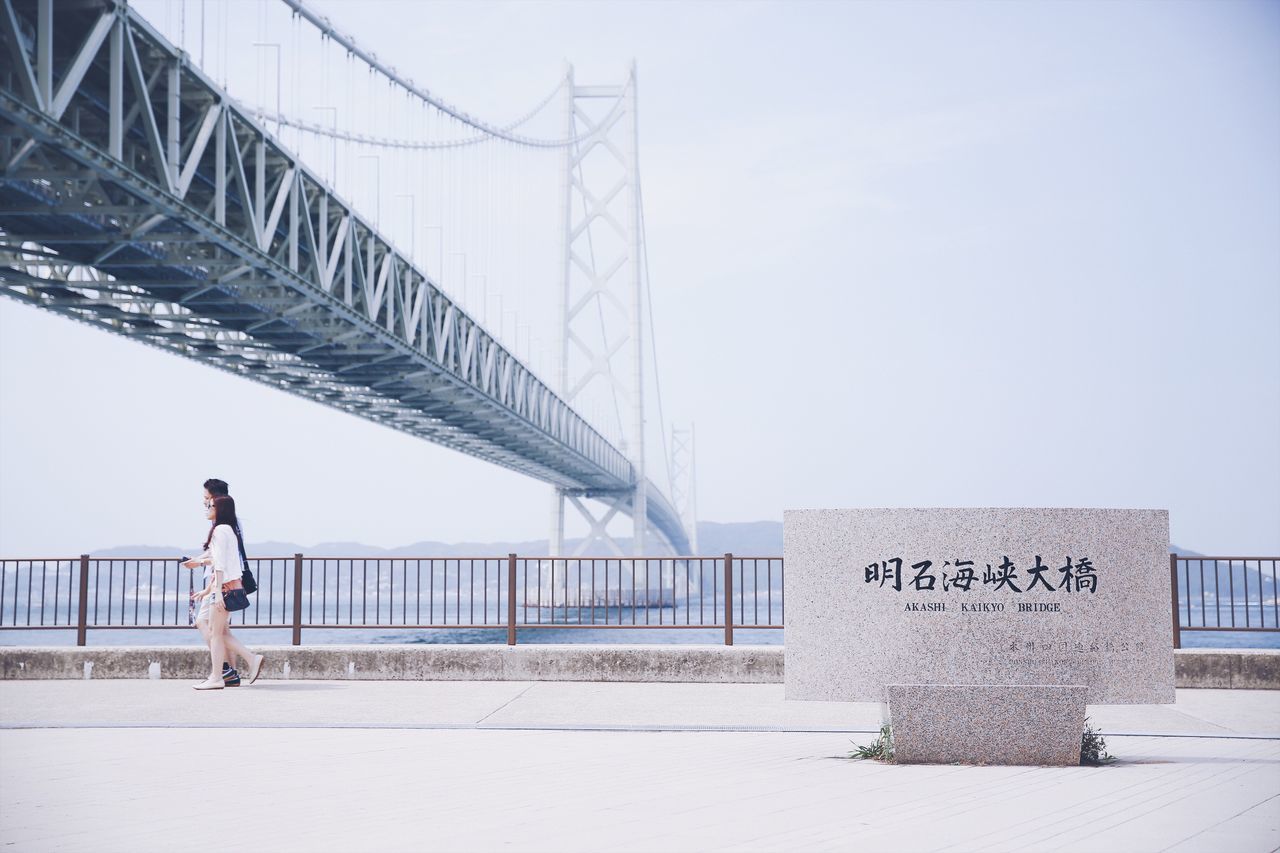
(152, 765)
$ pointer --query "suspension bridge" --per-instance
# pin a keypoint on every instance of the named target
(158, 186)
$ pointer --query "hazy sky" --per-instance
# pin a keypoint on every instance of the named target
(904, 254)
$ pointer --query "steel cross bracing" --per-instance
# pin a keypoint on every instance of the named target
(137, 197)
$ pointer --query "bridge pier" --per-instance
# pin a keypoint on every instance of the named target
(556, 539)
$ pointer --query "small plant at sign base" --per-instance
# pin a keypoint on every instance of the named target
(880, 749)
(1093, 747)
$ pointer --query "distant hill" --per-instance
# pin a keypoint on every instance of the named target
(744, 538)
(748, 538)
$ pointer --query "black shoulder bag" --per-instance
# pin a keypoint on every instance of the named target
(235, 599)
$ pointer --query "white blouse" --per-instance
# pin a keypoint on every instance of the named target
(225, 552)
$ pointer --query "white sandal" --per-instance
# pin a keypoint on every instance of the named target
(255, 668)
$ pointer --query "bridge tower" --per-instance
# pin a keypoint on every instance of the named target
(684, 481)
(601, 312)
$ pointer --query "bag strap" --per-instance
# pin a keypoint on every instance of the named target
(244, 558)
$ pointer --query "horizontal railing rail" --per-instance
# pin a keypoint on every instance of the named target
(1235, 594)
(509, 593)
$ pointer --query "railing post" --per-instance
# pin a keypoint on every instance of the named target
(297, 599)
(728, 599)
(82, 623)
(1173, 595)
(511, 599)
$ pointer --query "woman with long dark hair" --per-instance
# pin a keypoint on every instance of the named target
(226, 593)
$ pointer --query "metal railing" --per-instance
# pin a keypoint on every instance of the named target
(422, 593)
(1230, 594)
(1223, 594)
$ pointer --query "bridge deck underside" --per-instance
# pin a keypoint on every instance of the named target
(288, 341)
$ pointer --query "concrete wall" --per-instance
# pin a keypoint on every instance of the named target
(417, 662)
(1242, 669)
(1246, 669)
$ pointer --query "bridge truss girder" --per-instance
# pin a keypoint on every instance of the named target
(138, 198)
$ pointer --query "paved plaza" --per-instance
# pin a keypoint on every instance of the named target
(556, 766)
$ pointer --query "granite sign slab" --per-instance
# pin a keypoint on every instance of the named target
(978, 596)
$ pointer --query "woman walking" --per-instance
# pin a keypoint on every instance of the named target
(224, 594)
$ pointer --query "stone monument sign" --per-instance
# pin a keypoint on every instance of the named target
(1066, 597)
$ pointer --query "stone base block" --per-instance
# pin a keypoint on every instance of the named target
(1021, 724)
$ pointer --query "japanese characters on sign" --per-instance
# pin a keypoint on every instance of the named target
(1073, 576)
(1065, 645)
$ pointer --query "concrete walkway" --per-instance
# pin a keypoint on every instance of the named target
(363, 765)
(572, 705)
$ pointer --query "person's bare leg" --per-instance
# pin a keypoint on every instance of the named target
(217, 642)
(203, 626)
(235, 647)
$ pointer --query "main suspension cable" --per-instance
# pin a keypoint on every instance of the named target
(371, 59)
(318, 129)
